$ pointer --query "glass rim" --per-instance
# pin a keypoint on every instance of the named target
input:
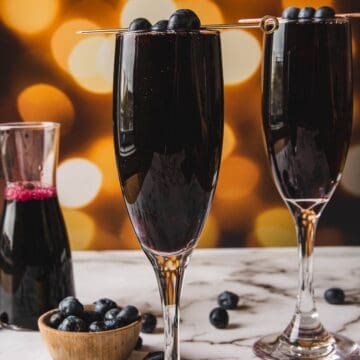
(35, 125)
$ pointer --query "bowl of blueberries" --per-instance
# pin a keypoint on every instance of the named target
(102, 330)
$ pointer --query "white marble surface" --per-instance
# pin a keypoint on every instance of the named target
(265, 279)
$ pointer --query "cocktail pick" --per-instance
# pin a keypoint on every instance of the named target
(268, 24)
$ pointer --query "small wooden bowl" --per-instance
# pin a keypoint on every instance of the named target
(106, 345)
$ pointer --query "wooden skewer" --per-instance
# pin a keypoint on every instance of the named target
(268, 24)
(246, 24)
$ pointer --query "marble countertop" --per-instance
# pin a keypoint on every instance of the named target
(265, 280)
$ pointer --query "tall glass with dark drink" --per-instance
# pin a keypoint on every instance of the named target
(168, 129)
(307, 119)
(35, 260)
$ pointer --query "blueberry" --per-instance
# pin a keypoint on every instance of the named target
(128, 314)
(71, 306)
(148, 323)
(97, 326)
(160, 25)
(120, 322)
(324, 12)
(111, 314)
(4, 318)
(140, 24)
(114, 323)
(90, 316)
(219, 318)
(104, 305)
(110, 324)
(306, 13)
(156, 355)
(228, 300)
(73, 323)
(335, 296)
(291, 13)
(55, 320)
(139, 343)
(184, 19)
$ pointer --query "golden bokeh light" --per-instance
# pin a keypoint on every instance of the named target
(351, 176)
(28, 16)
(238, 178)
(235, 215)
(102, 12)
(206, 10)
(43, 102)
(151, 10)
(65, 38)
(229, 142)
(241, 54)
(85, 65)
(275, 227)
(103, 155)
(127, 236)
(79, 181)
(81, 229)
(210, 234)
(302, 3)
(105, 59)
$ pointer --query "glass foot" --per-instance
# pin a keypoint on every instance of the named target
(276, 346)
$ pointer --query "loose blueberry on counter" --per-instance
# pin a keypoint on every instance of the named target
(160, 25)
(73, 323)
(128, 314)
(71, 306)
(335, 296)
(156, 355)
(306, 13)
(291, 13)
(111, 314)
(97, 326)
(55, 320)
(219, 318)
(102, 306)
(140, 24)
(90, 316)
(324, 12)
(148, 323)
(228, 300)
(184, 19)
(139, 343)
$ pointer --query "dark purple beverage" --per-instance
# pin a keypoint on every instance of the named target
(168, 126)
(35, 259)
(307, 105)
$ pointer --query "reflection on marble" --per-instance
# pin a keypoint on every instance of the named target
(265, 279)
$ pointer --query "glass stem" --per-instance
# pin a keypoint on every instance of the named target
(305, 324)
(306, 223)
(169, 272)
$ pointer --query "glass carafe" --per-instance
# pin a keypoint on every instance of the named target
(35, 259)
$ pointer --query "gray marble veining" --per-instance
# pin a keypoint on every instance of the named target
(265, 279)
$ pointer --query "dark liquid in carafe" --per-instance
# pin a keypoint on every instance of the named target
(35, 260)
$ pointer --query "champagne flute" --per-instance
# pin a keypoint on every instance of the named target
(168, 130)
(307, 118)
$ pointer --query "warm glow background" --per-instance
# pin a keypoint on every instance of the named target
(50, 73)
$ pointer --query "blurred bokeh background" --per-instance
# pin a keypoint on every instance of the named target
(48, 72)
